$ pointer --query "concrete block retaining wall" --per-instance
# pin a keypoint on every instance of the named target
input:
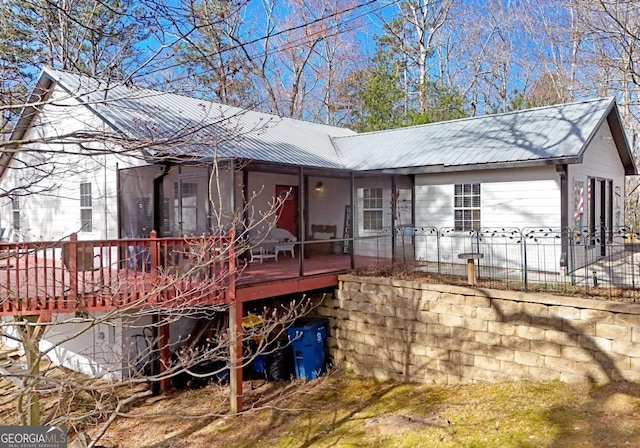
(412, 331)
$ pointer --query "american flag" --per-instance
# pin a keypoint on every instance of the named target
(580, 207)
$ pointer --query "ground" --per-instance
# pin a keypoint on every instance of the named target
(341, 410)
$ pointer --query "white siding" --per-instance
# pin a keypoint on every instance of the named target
(533, 203)
(601, 160)
(94, 348)
(53, 210)
(513, 198)
(376, 243)
(327, 207)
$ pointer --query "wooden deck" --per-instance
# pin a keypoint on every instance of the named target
(61, 277)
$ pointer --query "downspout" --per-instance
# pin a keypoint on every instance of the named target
(352, 242)
(105, 205)
(118, 202)
(564, 213)
(413, 214)
(302, 222)
(158, 181)
(394, 210)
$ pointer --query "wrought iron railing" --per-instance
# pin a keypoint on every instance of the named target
(606, 261)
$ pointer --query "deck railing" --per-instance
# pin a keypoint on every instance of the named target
(68, 276)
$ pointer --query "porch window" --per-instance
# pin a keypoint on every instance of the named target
(466, 206)
(15, 213)
(186, 207)
(372, 208)
(86, 208)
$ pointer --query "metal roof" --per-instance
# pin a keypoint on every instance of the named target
(194, 127)
(552, 134)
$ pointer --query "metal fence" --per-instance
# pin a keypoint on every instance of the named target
(605, 262)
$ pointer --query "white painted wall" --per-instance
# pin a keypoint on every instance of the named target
(94, 349)
(601, 161)
(55, 213)
(327, 207)
(261, 196)
(374, 243)
(520, 198)
(101, 348)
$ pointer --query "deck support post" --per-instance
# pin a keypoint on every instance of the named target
(30, 335)
(235, 334)
(235, 357)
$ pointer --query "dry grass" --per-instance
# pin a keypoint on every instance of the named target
(408, 271)
(337, 411)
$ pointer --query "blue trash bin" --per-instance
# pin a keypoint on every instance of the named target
(259, 364)
(307, 339)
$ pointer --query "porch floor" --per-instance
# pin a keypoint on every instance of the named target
(40, 286)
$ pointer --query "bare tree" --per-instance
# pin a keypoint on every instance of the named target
(189, 276)
(414, 32)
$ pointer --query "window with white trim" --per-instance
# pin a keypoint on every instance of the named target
(466, 207)
(86, 207)
(372, 211)
(15, 213)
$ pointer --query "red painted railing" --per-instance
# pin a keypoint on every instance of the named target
(67, 276)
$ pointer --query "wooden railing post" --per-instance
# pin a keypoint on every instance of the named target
(232, 260)
(72, 267)
(155, 294)
(153, 255)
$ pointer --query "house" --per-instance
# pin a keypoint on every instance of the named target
(116, 161)
(149, 165)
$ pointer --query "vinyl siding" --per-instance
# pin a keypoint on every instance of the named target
(601, 160)
(515, 198)
(512, 198)
(55, 213)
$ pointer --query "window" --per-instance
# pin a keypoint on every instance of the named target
(15, 212)
(86, 210)
(372, 208)
(466, 206)
(186, 207)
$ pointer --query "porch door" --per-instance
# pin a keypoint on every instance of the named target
(600, 212)
(191, 205)
(288, 213)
